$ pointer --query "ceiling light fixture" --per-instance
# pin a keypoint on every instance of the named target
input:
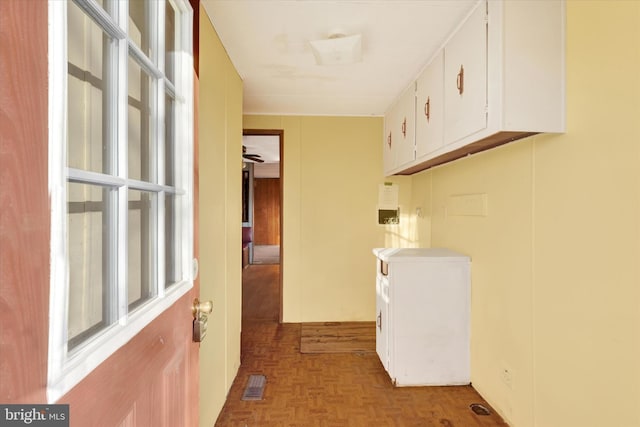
(337, 49)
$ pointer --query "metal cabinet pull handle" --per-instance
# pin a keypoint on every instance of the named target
(427, 108)
(404, 128)
(460, 80)
(379, 321)
(389, 140)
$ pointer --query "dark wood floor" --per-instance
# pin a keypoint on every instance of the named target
(342, 389)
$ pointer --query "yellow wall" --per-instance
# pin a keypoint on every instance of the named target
(220, 154)
(556, 286)
(556, 282)
(332, 168)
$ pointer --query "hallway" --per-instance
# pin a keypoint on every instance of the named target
(340, 389)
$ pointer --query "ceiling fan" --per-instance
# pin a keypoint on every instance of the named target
(252, 157)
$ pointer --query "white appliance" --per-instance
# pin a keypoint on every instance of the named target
(423, 315)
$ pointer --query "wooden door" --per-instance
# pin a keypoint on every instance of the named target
(150, 381)
(266, 211)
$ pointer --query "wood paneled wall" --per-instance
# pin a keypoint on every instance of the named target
(266, 211)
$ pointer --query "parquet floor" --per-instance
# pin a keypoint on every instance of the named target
(332, 390)
(338, 337)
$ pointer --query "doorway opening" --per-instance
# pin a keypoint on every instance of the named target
(262, 222)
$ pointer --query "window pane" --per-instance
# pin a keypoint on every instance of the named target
(87, 87)
(139, 123)
(89, 290)
(173, 240)
(169, 141)
(142, 247)
(139, 24)
(170, 45)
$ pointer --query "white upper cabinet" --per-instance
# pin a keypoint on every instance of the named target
(430, 108)
(499, 77)
(400, 132)
(388, 153)
(465, 78)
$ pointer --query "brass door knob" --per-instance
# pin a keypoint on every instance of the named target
(201, 307)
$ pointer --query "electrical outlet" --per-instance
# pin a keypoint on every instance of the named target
(507, 377)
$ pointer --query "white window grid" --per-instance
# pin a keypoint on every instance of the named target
(67, 368)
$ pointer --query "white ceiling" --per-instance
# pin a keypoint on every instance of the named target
(268, 43)
(266, 146)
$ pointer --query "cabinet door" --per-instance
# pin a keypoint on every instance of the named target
(465, 78)
(382, 321)
(399, 139)
(430, 108)
(388, 154)
(404, 127)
